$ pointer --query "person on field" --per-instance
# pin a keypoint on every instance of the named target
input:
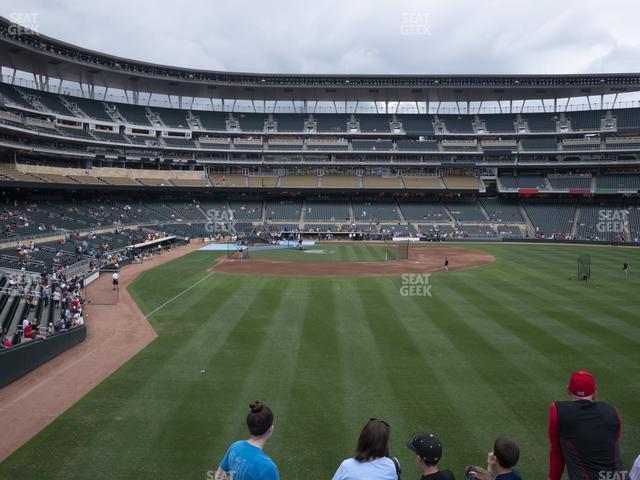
(245, 459)
(583, 433)
(428, 450)
(446, 264)
(625, 268)
(116, 280)
(371, 459)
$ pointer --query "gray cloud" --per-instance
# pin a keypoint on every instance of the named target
(358, 36)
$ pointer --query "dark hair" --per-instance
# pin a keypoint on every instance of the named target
(259, 419)
(373, 441)
(506, 451)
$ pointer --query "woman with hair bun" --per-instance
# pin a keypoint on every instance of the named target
(245, 459)
(371, 459)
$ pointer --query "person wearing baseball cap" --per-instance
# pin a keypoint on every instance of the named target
(428, 450)
(584, 434)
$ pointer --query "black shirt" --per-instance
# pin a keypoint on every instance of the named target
(442, 475)
(589, 433)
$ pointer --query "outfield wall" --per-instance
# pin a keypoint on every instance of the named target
(21, 359)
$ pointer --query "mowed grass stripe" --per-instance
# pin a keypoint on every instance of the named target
(601, 290)
(312, 401)
(407, 371)
(362, 364)
(449, 371)
(261, 332)
(174, 378)
(272, 380)
(533, 328)
(558, 308)
(473, 333)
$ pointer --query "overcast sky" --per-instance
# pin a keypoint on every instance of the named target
(351, 36)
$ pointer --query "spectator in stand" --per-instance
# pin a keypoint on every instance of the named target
(584, 434)
(46, 294)
(28, 331)
(56, 298)
(428, 450)
(371, 459)
(500, 462)
(17, 336)
(4, 341)
(245, 459)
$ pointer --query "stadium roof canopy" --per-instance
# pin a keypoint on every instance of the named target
(37, 54)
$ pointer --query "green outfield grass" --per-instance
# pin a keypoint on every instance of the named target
(483, 356)
(355, 252)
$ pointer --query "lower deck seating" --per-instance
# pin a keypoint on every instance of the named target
(299, 181)
(190, 182)
(381, 182)
(431, 183)
(155, 182)
(260, 181)
(551, 220)
(340, 181)
(461, 182)
(228, 181)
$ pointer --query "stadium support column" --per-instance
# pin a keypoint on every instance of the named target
(555, 105)
(304, 107)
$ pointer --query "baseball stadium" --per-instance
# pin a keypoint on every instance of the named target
(438, 251)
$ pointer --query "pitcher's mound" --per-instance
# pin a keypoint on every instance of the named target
(421, 260)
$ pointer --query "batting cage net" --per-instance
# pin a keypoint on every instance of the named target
(396, 250)
(584, 267)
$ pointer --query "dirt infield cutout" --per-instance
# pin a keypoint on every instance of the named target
(421, 260)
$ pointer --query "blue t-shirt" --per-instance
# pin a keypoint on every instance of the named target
(248, 462)
(512, 475)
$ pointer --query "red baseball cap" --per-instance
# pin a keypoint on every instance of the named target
(582, 384)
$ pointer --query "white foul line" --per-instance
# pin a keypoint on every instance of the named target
(182, 292)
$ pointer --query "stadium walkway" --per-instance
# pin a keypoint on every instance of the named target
(115, 333)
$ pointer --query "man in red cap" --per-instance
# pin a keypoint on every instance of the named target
(583, 433)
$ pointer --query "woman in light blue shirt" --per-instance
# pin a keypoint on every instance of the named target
(371, 459)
